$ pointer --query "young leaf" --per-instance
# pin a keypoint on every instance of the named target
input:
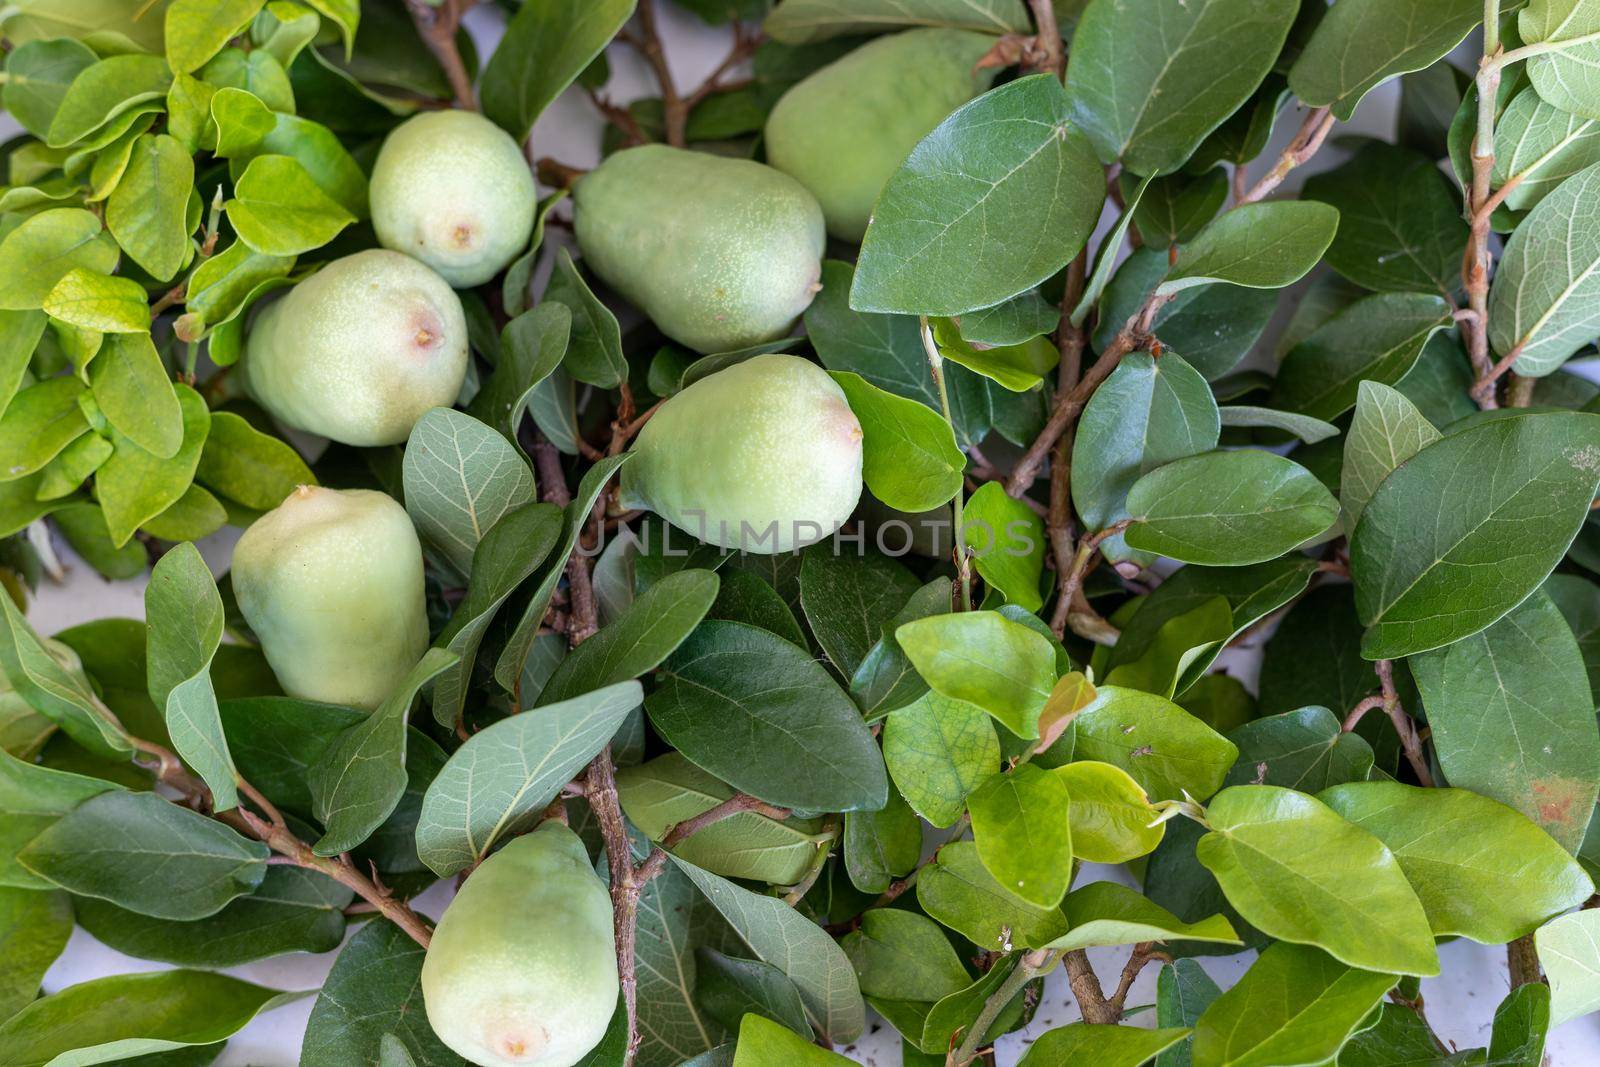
(984, 658)
(1228, 509)
(47, 246)
(1260, 246)
(1523, 481)
(1480, 693)
(909, 457)
(1011, 152)
(279, 210)
(1112, 818)
(185, 623)
(1296, 1004)
(1149, 108)
(135, 485)
(1165, 749)
(763, 716)
(134, 392)
(939, 750)
(1017, 368)
(1105, 913)
(101, 302)
(1007, 540)
(1022, 834)
(762, 1041)
(1299, 872)
(509, 772)
(1100, 1043)
(1480, 869)
(148, 211)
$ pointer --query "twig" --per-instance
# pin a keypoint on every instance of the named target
(1086, 990)
(437, 27)
(618, 116)
(1143, 953)
(1478, 261)
(1522, 960)
(1404, 726)
(1313, 131)
(1031, 965)
(674, 108)
(1072, 583)
(1049, 38)
(735, 804)
(1058, 521)
(962, 562)
(744, 46)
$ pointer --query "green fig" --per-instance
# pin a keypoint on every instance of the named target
(359, 351)
(522, 970)
(331, 582)
(845, 129)
(720, 253)
(764, 456)
(452, 189)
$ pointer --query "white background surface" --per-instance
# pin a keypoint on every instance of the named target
(1460, 1003)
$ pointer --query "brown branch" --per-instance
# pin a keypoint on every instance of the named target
(735, 804)
(744, 46)
(1143, 953)
(618, 116)
(1313, 131)
(1058, 521)
(1050, 56)
(1092, 1004)
(437, 27)
(1522, 960)
(1389, 700)
(674, 108)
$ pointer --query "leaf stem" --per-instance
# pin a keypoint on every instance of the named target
(963, 564)
(1030, 966)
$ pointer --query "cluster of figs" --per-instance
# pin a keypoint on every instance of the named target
(721, 254)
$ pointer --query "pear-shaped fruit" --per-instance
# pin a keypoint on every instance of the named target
(331, 582)
(845, 129)
(764, 456)
(452, 189)
(522, 970)
(359, 351)
(720, 253)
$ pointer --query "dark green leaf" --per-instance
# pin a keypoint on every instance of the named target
(1378, 339)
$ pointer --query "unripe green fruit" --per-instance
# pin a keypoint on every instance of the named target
(331, 582)
(359, 351)
(522, 970)
(846, 128)
(452, 189)
(720, 253)
(764, 456)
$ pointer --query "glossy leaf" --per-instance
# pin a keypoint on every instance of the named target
(938, 751)
(904, 956)
(1105, 913)
(1112, 818)
(984, 658)
(1165, 749)
(909, 457)
(278, 209)
(547, 44)
(1100, 1043)
(1377, 339)
(1367, 42)
(1260, 246)
(1007, 541)
(1023, 834)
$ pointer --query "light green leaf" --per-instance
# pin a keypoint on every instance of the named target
(909, 456)
(460, 477)
(958, 891)
(34, 927)
(148, 211)
(196, 30)
(1007, 540)
(904, 956)
(938, 751)
(1295, 1005)
(1016, 367)
(1259, 246)
(762, 1041)
(1387, 430)
(248, 466)
(509, 772)
(1164, 748)
(1297, 871)
(1538, 146)
(38, 73)
(93, 301)
(135, 486)
(1363, 43)
(1569, 952)
(1023, 834)
(1481, 869)
(937, 243)
(40, 421)
(1112, 818)
(1150, 107)
(1105, 913)
(984, 658)
(132, 389)
(1103, 1044)
(105, 90)
(1565, 75)
(278, 209)
(1431, 557)
(1228, 509)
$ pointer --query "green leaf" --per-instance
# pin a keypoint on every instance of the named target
(668, 790)
(1164, 748)
(1524, 481)
(1100, 1043)
(1105, 913)
(880, 846)
(793, 944)
(547, 44)
(1542, 303)
(196, 30)
(886, 680)
(807, 21)
(984, 658)
(148, 211)
(1579, 602)
(674, 921)
(1521, 1023)
(1174, 209)
(959, 892)
(1565, 75)
(37, 76)
(1377, 339)
(909, 456)
(1304, 749)
(730, 989)
(649, 631)
(531, 348)
(1149, 108)
(848, 600)
(135, 485)
(131, 388)
(1260, 246)
(1294, 1005)
(1482, 692)
(40, 421)
(762, 1041)
(1299, 872)
(292, 910)
(360, 777)
(55, 690)
(945, 1020)
(248, 466)
(507, 556)
(32, 797)
(34, 927)
(1308, 429)
(595, 353)
(184, 631)
(1007, 540)
(1148, 412)
(938, 751)
(1022, 835)
(93, 301)
(1481, 869)
(108, 1020)
(373, 990)
(1228, 509)
(1017, 367)
(1401, 1036)
(1364, 43)
(1183, 992)
(1386, 431)
(1112, 818)
(938, 243)
(1569, 953)
(1400, 224)
(508, 773)
(147, 854)
(762, 715)
(903, 956)
(1010, 322)
(460, 477)
(279, 210)
(46, 246)
(105, 90)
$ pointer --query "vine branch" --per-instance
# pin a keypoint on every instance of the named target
(437, 27)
